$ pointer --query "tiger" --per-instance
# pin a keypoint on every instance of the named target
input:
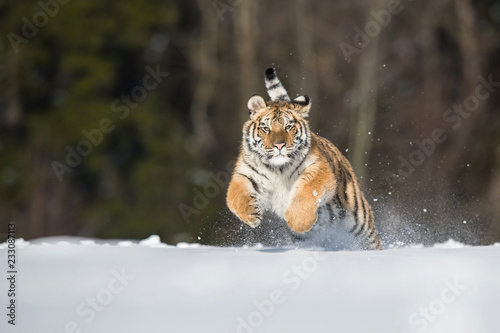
(286, 169)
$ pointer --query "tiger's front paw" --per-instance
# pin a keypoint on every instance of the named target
(253, 221)
(252, 214)
(247, 209)
(299, 218)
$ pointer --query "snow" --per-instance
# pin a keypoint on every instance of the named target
(91, 285)
(450, 244)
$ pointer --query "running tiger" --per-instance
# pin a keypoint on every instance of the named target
(301, 177)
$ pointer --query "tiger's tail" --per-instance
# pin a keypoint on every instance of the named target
(275, 89)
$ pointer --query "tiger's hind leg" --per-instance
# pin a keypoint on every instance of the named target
(369, 240)
(363, 231)
(358, 221)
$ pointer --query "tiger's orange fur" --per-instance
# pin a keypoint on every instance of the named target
(288, 170)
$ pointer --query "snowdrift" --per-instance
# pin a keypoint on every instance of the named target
(83, 285)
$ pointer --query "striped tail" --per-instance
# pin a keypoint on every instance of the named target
(275, 89)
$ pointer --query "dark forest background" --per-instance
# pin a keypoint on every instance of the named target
(161, 161)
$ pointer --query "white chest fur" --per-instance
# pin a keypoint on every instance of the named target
(275, 189)
(276, 194)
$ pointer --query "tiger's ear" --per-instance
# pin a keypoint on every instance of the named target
(302, 105)
(255, 104)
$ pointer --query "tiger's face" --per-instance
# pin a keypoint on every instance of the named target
(277, 131)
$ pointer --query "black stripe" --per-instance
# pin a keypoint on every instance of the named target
(363, 203)
(353, 228)
(254, 184)
(284, 98)
(357, 233)
(307, 175)
(355, 211)
(330, 211)
(268, 166)
(251, 128)
(336, 166)
(338, 204)
(344, 185)
(360, 199)
(298, 166)
(255, 130)
(248, 135)
(248, 146)
(253, 169)
(329, 159)
(275, 86)
(370, 235)
(298, 127)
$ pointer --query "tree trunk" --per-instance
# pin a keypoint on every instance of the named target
(246, 33)
(203, 56)
(363, 117)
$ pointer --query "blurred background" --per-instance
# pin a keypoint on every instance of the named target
(120, 119)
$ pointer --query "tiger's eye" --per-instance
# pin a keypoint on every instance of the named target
(288, 127)
(265, 129)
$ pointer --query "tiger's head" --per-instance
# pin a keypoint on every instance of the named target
(277, 131)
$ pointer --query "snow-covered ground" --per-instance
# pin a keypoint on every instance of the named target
(80, 285)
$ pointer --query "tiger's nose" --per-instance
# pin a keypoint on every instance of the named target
(280, 145)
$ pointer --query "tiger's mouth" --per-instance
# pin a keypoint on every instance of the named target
(280, 157)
